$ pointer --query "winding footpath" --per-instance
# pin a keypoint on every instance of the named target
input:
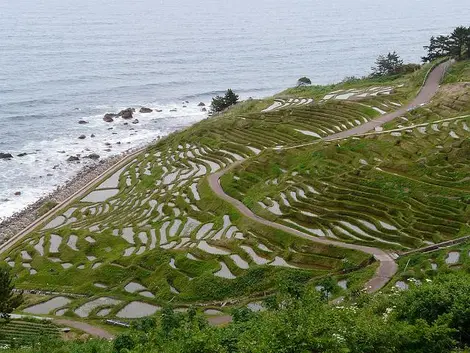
(387, 265)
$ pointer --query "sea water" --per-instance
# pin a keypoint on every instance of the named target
(62, 61)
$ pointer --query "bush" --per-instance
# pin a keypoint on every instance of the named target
(221, 103)
(303, 81)
(123, 342)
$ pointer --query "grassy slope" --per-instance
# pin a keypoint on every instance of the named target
(241, 126)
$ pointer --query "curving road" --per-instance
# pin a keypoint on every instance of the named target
(387, 266)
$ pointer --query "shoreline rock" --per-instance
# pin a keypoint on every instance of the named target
(6, 155)
(145, 110)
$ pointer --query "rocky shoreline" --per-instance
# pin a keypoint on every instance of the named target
(20, 220)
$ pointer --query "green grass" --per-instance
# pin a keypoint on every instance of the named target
(19, 332)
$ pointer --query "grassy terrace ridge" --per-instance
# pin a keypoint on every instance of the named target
(24, 332)
(155, 233)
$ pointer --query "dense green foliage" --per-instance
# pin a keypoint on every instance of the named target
(304, 81)
(456, 45)
(9, 301)
(220, 103)
(431, 317)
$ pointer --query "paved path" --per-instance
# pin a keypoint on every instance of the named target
(387, 267)
(92, 330)
(385, 271)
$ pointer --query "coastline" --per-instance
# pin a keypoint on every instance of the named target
(22, 219)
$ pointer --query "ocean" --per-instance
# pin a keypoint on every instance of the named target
(62, 61)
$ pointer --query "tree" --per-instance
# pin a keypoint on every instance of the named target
(456, 45)
(387, 65)
(9, 301)
(123, 342)
(221, 103)
(303, 81)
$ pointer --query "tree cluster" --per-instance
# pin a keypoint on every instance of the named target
(390, 65)
(9, 301)
(455, 45)
(220, 103)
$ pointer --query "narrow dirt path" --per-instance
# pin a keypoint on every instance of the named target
(387, 267)
(82, 326)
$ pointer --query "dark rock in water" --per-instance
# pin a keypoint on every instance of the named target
(93, 156)
(6, 155)
(202, 104)
(109, 117)
(118, 143)
(136, 121)
(49, 174)
(82, 137)
(73, 159)
(187, 102)
(110, 128)
(82, 122)
(126, 123)
(185, 106)
(55, 167)
(158, 110)
(108, 143)
(203, 110)
(114, 133)
(61, 151)
(126, 113)
(22, 154)
(145, 110)
(18, 193)
(108, 150)
(173, 110)
(92, 135)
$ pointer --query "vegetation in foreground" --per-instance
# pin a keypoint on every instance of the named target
(431, 317)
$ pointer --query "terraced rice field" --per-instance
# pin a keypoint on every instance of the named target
(395, 190)
(23, 332)
(153, 232)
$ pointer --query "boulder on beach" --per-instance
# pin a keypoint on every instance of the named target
(93, 156)
(136, 121)
(18, 193)
(109, 117)
(203, 110)
(6, 155)
(82, 122)
(73, 159)
(202, 104)
(82, 137)
(145, 110)
(92, 135)
(22, 154)
(126, 113)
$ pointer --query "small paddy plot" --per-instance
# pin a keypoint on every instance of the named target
(204, 230)
(452, 257)
(387, 226)
(96, 265)
(190, 225)
(224, 272)
(100, 195)
(254, 150)
(69, 212)
(133, 287)
(173, 231)
(343, 284)
(254, 256)
(66, 265)
(129, 251)
(100, 285)
(192, 257)
(211, 249)
(48, 306)
(91, 258)
(172, 263)
(135, 310)
(72, 242)
(212, 312)
(85, 310)
(453, 134)
(195, 192)
(103, 312)
(264, 247)
(56, 222)
(240, 262)
(55, 241)
(279, 261)
(90, 240)
(308, 133)
(143, 237)
(113, 181)
(147, 294)
(128, 235)
(25, 255)
(256, 306)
